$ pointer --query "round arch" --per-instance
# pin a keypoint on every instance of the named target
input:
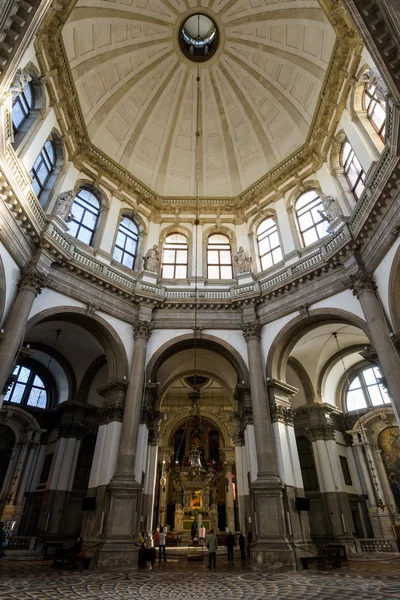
(394, 291)
(206, 341)
(288, 337)
(97, 326)
(2, 290)
(175, 423)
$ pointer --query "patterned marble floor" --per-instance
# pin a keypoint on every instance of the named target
(180, 580)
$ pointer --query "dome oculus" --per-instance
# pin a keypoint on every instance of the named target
(198, 37)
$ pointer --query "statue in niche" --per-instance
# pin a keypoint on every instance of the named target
(63, 205)
(331, 208)
(373, 78)
(243, 261)
(152, 260)
(18, 83)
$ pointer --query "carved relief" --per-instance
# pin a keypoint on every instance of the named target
(362, 282)
(32, 280)
(251, 331)
(281, 414)
(113, 411)
(142, 329)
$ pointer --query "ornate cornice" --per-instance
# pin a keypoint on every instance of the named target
(361, 282)
(142, 329)
(251, 331)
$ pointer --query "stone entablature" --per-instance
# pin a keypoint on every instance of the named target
(318, 421)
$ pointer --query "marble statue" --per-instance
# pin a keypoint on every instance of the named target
(374, 79)
(152, 259)
(331, 208)
(243, 261)
(18, 83)
(63, 205)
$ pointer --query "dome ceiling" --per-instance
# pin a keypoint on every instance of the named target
(257, 94)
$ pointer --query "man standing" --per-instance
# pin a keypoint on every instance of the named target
(161, 543)
(230, 543)
(212, 545)
(242, 542)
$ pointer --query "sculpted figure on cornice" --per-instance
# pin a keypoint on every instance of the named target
(63, 205)
(152, 259)
(374, 79)
(18, 84)
(331, 208)
(243, 261)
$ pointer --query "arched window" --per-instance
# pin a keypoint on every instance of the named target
(219, 257)
(43, 167)
(85, 210)
(353, 170)
(312, 224)
(27, 389)
(269, 247)
(376, 110)
(22, 106)
(365, 390)
(307, 465)
(125, 249)
(175, 257)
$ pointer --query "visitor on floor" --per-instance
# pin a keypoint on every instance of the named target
(212, 545)
(161, 544)
(230, 543)
(242, 542)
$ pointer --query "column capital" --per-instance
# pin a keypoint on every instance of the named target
(281, 414)
(362, 281)
(322, 432)
(142, 329)
(251, 331)
(31, 280)
(112, 411)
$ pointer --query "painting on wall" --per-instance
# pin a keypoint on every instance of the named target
(389, 442)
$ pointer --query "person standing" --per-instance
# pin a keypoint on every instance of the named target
(202, 534)
(212, 545)
(161, 544)
(242, 542)
(230, 543)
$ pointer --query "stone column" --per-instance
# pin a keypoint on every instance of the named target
(150, 485)
(122, 510)
(29, 286)
(242, 469)
(270, 530)
(229, 502)
(365, 289)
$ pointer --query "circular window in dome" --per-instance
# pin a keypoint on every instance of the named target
(198, 37)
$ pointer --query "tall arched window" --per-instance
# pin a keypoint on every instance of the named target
(27, 389)
(175, 257)
(22, 106)
(365, 390)
(376, 110)
(43, 167)
(310, 217)
(125, 249)
(219, 257)
(85, 210)
(353, 170)
(269, 247)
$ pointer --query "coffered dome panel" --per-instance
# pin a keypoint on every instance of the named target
(257, 94)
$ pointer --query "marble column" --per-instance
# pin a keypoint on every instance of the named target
(242, 470)
(270, 529)
(121, 521)
(229, 502)
(29, 286)
(365, 289)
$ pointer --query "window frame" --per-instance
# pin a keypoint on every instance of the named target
(21, 100)
(346, 164)
(43, 156)
(369, 106)
(266, 235)
(29, 385)
(85, 210)
(308, 210)
(359, 373)
(174, 264)
(219, 250)
(131, 235)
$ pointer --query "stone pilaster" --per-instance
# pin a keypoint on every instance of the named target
(267, 491)
(364, 287)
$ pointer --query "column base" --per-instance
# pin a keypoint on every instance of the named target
(273, 556)
(117, 554)
(123, 511)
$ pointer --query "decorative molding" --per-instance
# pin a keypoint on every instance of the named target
(31, 280)
(251, 331)
(142, 329)
(361, 282)
(281, 414)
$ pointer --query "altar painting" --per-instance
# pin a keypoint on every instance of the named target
(389, 442)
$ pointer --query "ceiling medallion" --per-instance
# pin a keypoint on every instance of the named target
(198, 37)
